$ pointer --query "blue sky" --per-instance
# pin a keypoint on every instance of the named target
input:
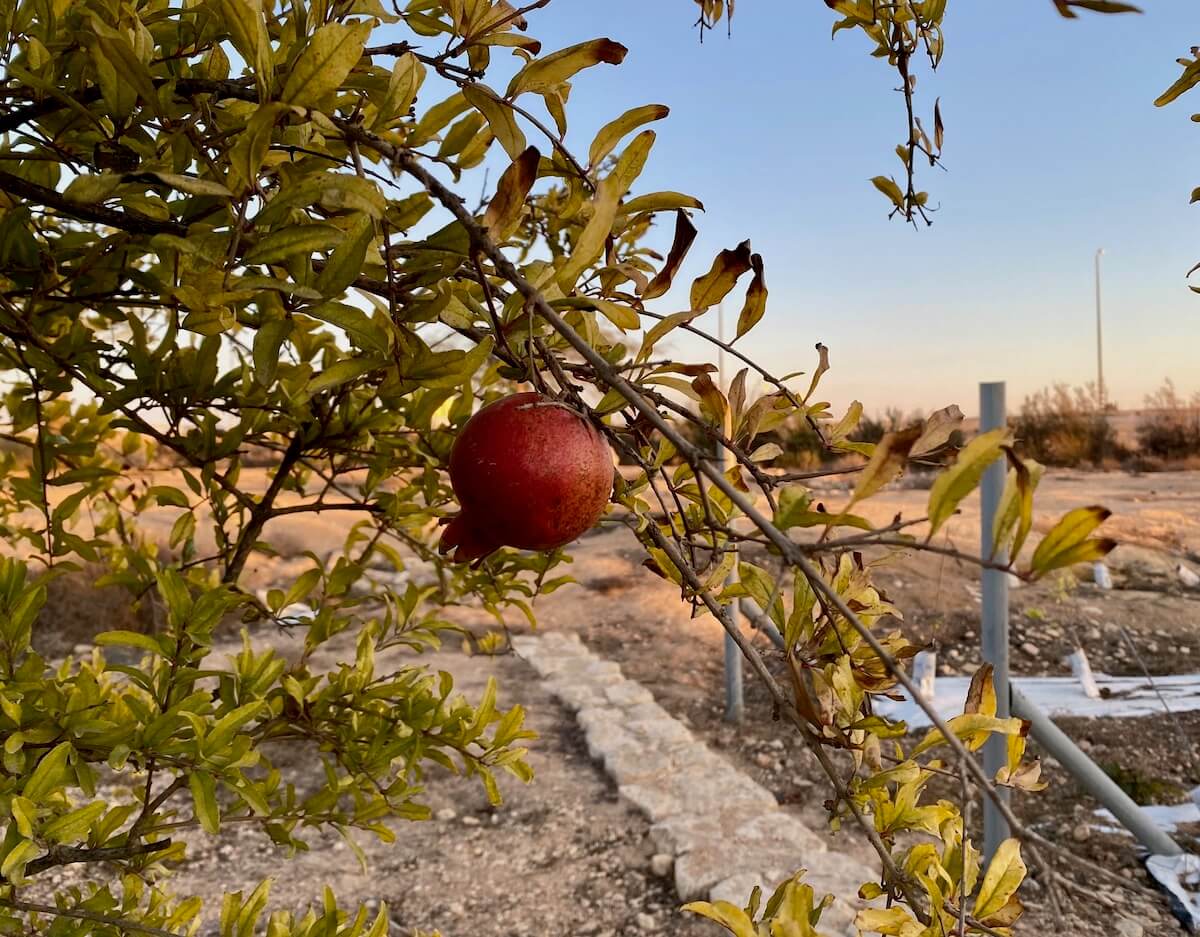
(1053, 147)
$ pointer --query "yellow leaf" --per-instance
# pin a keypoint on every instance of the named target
(662, 328)
(973, 729)
(729, 916)
(612, 132)
(590, 245)
(661, 201)
(547, 73)
(1067, 543)
(715, 285)
(13, 867)
(248, 32)
(504, 211)
(1014, 513)
(981, 697)
(251, 146)
(938, 429)
(887, 462)
(500, 118)
(889, 188)
(325, 62)
(623, 317)
(963, 476)
(756, 298)
(894, 922)
(1004, 875)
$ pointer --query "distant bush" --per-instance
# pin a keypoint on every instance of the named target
(1066, 427)
(1169, 430)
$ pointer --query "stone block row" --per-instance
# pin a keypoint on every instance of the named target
(724, 832)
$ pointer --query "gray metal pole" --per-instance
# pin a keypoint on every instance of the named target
(1099, 339)
(994, 630)
(1092, 779)
(734, 694)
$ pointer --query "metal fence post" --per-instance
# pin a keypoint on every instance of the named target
(994, 629)
(734, 695)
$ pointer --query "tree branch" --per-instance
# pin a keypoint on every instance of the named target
(129, 927)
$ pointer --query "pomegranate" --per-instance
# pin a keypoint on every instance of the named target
(529, 472)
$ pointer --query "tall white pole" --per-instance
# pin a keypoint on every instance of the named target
(1099, 338)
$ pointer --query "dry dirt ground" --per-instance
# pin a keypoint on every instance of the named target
(562, 856)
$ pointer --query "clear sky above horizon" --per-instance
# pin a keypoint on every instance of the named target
(1053, 149)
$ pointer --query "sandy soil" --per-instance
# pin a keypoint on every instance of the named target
(563, 856)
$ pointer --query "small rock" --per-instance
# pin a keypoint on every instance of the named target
(646, 922)
(470, 821)
(446, 814)
(763, 760)
(1081, 833)
(1127, 928)
(1030, 648)
(661, 864)
(777, 744)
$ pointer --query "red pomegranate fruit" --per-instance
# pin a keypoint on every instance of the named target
(529, 472)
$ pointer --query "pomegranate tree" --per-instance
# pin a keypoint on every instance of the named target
(529, 472)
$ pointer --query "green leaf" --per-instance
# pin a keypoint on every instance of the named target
(1004, 875)
(204, 800)
(325, 63)
(611, 133)
(268, 341)
(130, 639)
(74, 826)
(715, 285)
(298, 240)
(756, 299)
(227, 727)
(963, 476)
(250, 149)
(550, 71)
(345, 370)
(49, 774)
(13, 867)
(345, 264)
